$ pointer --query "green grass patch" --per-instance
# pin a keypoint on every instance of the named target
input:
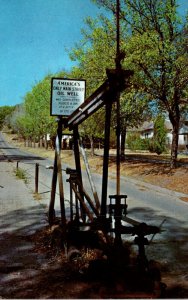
(21, 174)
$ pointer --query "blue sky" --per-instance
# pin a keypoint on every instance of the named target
(34, 35)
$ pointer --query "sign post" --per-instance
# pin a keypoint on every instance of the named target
(66, 96)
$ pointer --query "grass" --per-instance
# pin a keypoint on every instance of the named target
(21, 174)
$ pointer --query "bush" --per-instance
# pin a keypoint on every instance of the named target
(158, 143)
(134, 142)
(155, 147)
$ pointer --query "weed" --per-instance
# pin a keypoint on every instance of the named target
(21, 174)
(37, 196)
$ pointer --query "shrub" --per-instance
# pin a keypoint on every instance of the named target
(155, 147)
(158, 143)
(134, 142)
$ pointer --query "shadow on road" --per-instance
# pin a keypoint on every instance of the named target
(25, 273)
(170, 248)
(8, 148)
(19, 265)
(20, 157)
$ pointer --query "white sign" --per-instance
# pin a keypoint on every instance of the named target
(66, 96)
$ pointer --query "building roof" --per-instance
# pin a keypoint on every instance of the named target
(183, 129)
(149, 126)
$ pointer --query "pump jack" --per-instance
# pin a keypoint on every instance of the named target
(94, 214)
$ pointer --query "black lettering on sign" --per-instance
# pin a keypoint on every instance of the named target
(72, 94)
(68, 83)
(61, 93)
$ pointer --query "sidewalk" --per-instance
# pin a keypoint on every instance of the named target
(156, 188)
(20, 216)
(16, 200)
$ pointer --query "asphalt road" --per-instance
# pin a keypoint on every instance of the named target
(146, 203)
(140, 195)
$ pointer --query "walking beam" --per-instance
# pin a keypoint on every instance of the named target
(117, 81)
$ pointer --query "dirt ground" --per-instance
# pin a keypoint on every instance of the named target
(74, 279)
(60, 278)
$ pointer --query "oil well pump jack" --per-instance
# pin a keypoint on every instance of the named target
(88, 215)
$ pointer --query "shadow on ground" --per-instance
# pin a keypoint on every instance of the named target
(170, 248)
(27, 273)
(19, 157)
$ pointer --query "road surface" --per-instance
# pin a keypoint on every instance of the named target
(140, 194)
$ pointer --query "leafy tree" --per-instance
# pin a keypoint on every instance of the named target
(95, 53)
(93, 127)
(5, 111)
(14, 117)
(156, 50)
(32, 119)
(134, 110)
(37, 110)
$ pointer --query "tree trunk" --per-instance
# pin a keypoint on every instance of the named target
(29, 142)
(123, 138)
(92, 146)
(45, 142)
(174, 147)
(40, 142)
(175, 120)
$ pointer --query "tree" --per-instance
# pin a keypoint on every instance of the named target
(37, 111)
(32, 118)
(95, 53)
(93, 127)
(12, 118)
(5, 111)
(155, 50)
(134, 110)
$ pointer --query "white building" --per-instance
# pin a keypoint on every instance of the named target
(147, 131)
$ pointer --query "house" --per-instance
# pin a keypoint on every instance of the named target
(146, 131)
(183, 135)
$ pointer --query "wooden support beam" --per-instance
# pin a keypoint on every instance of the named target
(106, 160)
(93, 188)
(57, 173)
